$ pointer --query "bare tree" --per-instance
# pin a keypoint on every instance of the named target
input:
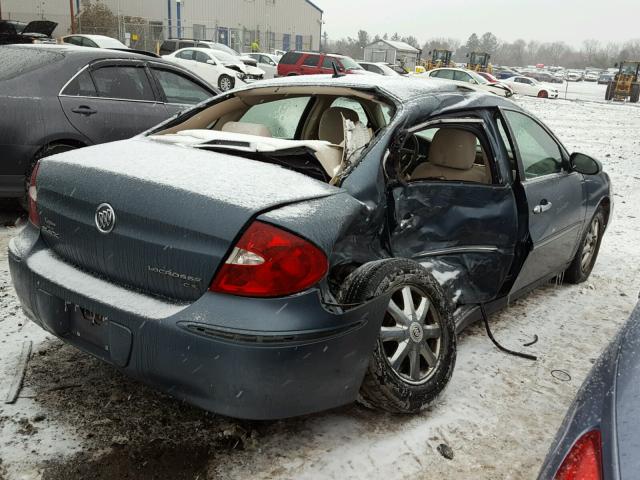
(96, 18)
(363, 38)
(489, 43)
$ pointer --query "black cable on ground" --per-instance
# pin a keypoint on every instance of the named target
(485, 319)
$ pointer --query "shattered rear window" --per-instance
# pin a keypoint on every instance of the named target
(18, 61)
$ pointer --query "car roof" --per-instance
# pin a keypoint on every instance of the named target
(452, 68)
(198, 49)
(336, 55)
(402, 88)
(85, 53)
(92, 36)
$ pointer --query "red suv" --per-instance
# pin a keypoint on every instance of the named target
(304, 63)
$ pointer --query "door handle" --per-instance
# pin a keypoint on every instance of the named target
(544, 206)
(84, 110)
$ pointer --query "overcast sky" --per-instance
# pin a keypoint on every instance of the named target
(571, 21)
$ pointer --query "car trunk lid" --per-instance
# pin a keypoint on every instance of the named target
(178, 210)
(41, 27)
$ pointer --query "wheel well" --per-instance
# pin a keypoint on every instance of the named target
(66, 142)
(339, 273)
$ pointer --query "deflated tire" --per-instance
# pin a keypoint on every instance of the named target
(415, 353)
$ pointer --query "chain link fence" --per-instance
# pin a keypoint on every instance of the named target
(138, 34)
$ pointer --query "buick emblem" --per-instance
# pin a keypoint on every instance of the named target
(415, 332)
(105, 218)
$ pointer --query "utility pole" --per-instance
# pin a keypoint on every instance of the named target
(73, 19)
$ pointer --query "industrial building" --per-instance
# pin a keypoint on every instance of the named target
(272, 24)
(393, 52)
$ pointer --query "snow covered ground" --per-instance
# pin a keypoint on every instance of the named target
(79, 418)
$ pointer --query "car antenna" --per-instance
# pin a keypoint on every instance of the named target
(336, 72)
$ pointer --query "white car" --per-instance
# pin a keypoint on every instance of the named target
(380, 68)
(591, 76)
(574, 76)
(466, 77)
(531, 87)
(266, 62)
(204, 63)
(235, 63)
(94, 41)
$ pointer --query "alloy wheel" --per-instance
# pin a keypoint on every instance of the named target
(411, 335)
(225, 84)
(590, 244)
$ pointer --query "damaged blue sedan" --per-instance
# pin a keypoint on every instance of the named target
(298, 244)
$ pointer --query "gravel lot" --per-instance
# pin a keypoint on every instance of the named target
(79, 418)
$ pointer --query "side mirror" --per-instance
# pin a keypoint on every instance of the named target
(584, 164)
(211, 62)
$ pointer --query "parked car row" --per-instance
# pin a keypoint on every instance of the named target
(555, 74)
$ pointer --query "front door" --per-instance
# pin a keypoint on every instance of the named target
(555, 200)
(454, 213)
(113, 102)
(223, 35)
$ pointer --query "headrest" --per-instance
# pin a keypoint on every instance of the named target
(331, 127)
(453, 148)
(256, 129)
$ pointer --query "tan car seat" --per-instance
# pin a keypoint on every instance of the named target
(451, 157)
(331, 126)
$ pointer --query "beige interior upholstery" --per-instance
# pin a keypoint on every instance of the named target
(247, 129)
(451, 157)
(330, 157)
(331, 127)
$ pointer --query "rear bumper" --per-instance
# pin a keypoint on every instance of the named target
(241, 357)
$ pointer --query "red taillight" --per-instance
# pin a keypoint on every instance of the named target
(270, 262)
(584, 461)
(33, 196)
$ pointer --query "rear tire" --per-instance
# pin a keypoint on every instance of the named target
(415, 353)
(46, 151)
(635, 93)
(587, 253)
(610, 91)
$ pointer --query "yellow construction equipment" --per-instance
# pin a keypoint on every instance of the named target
(625, 84)
(479, 62)
(439, 59)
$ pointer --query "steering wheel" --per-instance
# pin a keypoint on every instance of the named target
(408, 155)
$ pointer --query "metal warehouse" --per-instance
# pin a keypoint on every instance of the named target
(272, 24)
